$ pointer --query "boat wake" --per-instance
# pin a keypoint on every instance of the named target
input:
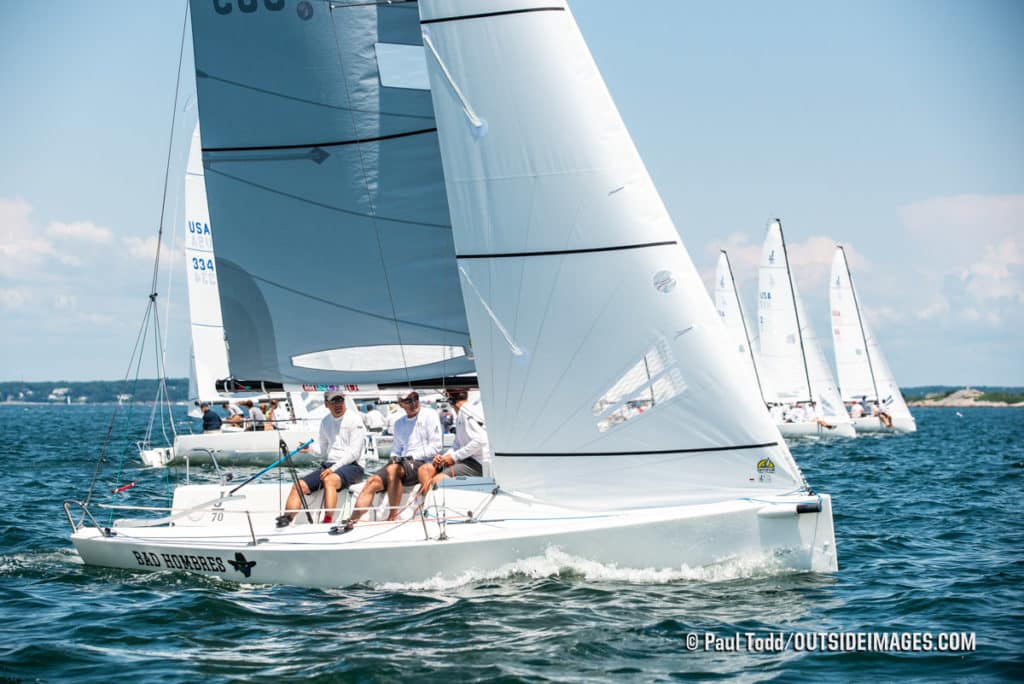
(557, 563)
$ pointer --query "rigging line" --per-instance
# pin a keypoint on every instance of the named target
(170, 147)
(203, 74)
(330, 207)
(334, 143)
(117, 407)
(560, 252)
(355, 310)
(743, 320)
(863, 334)
(796, 314)
(369, 198)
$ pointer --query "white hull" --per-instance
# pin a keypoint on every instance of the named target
(872, 424)
(217, 542)
(232, 448)
(812, 429)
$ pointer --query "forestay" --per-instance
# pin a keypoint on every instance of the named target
(599, 353)
(333, 234)
(209, 355)
(727, 303)
(863, 371)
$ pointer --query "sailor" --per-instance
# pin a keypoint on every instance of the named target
(256, 417)
(341, 444)
(815, 412)
(374, 419)
(856, 409)
(794, 414)
(471, 448)
(235, 416)
(417, 442)
(211, 421)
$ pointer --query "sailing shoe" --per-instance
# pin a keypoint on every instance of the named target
(284, 520)
(345, 526)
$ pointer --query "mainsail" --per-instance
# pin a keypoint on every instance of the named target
(793, 364)
(863, 371)
(727, 303)
(334, 246)
(599, 354)
(209, 355)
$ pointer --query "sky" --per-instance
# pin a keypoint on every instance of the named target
(895, 129)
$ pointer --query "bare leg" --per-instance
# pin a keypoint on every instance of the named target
(294, 500)
(426, 476)
(394, 489)
(332, 483)
(372, 486)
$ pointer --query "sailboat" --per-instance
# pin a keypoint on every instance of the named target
(470, 159)
(793, 365)
(864, 375)
(727, 304)
(209, 357)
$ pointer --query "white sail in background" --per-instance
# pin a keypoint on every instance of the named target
(793, 364)
(334, 247)
(780, 346)
(597, 348)
(209, 355)
(727, 303)
(863, 370)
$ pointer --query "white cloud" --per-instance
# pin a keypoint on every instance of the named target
(14, 298)
(85, 231)
(958, 228)
(21, 250)
(140, 248)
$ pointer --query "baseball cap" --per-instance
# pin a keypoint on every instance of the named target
(333, 394)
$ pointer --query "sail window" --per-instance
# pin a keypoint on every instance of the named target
(402, 66)
(652, 380)
(387, 357)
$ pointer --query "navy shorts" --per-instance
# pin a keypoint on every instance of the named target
(409, 470)
(350, 474)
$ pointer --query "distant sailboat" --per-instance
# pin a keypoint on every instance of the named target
(793, 366)
(727, 303)
(864, 375)
(621, 433)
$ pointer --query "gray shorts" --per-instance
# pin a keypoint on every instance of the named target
(409, 470)
(467, 467)
(350, 474)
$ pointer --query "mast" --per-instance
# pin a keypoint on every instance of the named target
(860, 324)
(796, 313)
(743, 320)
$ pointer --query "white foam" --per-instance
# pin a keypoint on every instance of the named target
(556, 563)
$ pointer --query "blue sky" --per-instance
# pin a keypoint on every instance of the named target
(894, 128)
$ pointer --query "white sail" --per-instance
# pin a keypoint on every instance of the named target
(333, 234)
(793, 365)
(863, 370)
(599, 353)
(209, 355)
(727, 303)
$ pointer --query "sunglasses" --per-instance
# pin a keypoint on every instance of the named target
(336, 400)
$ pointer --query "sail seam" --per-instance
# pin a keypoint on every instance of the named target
(485, 15)
(336, 143)
(330, 207)
(554, 252)
(738, 447)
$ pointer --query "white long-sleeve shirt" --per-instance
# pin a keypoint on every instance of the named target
(470, 435)
(341, 440)
(418, 438)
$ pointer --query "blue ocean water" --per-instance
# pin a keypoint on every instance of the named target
(927, 527)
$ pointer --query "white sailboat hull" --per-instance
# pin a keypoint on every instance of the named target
(258, 447)
(812, 429)
(511, 529)
(872, 424)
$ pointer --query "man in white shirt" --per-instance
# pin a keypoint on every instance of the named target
(795, 414)
(341, 444)
(417, 442)
(471, 447)
(374, 420)
(856, 410)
